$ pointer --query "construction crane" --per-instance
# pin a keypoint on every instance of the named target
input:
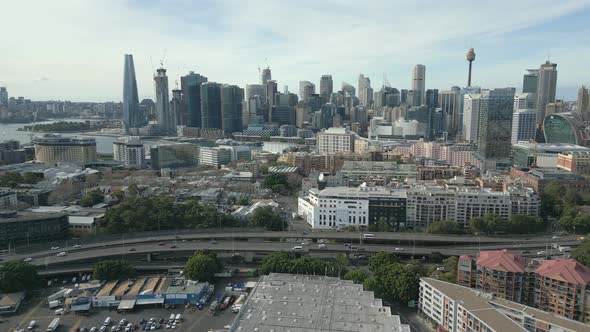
(163, 57)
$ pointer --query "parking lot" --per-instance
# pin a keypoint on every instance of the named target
(193, 319)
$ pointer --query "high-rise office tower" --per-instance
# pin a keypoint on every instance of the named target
(584, 103)
(132, 115)
(495, 124)
(190, 85)
(471, 117)
(523, 125)
(530, 81)
(271, 91)
(232, 97)
(283, 111)
(419, 84)
(326, 87)
(545, 89)
(470, 59)
(176, 107)
(254, 106)
(4, 92)
(451, 102)
(327, 111)
(306, 89)
(265, 76)
(365, 91)
(348, 88)
(524, 101)
(210, 105)
(163, 114)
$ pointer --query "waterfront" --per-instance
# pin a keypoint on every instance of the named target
(104, 144)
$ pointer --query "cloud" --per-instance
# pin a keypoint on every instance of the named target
(80, 43)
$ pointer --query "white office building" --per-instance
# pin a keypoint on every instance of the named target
(8, 200)
(524, 125)
(471, 117)
(129, 151)
(214, 156)
(335, 140)
(525, 101)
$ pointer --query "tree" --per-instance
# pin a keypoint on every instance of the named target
(92, 198)
(487, 224)
(244, 201)
(520, 224)
(552, 199)
(118, 194)
(276, 181)
(444, 227)
(268, 218)
(579, 223)
(18, 276)
(582, 252)
(113, 269)
(357, 276)
(282, 262)
(397, 282)
(342, 261)
(381, 259)
(201, 267)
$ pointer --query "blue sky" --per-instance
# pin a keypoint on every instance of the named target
(73, 49)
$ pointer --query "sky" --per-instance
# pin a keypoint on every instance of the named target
(74, 49)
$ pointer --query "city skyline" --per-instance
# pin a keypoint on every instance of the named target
(89, 68)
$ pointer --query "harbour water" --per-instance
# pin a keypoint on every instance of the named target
(104, 144)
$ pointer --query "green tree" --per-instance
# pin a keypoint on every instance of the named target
(263, 169)
(552, 199)
(397, 282)
(342, 261)
(582, 252)
(357, 276)
(579, 224)
(113, 269)
(283, 262)
(444, 227)
(201, 267)
(119, 195)
(487, 224)
(381, 259)
(277, 182)
(92, 198)
(521, 224)
(268, 218)
(18, 276)
(244, 201)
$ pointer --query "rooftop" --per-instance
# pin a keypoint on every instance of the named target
(29, 216)
(501, 260)
(288, 302)
(568, 270)
(359, 192)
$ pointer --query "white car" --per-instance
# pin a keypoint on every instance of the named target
(321, 246)
(399, 249)
(555, 237)
(542, 252)
(55, 248)
(77, 246)
(60, 254)
(28, 259)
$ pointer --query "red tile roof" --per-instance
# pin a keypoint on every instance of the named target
(568, 270)
(465, 258)
(501, 260)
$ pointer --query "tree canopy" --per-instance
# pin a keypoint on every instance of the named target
(13, 179)
(357, 276)
(277, 182)
(113, 269)
(18, 276)
(268, 218)
(202, 266)
(380, 259)
(444, 227)
(582, 252)
(396, 282)
(92, 198)
(283, 262)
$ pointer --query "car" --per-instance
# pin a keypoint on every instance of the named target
(296, 248)
(84, 329)
(555, 237)
(526, 252)
(321, 246)
(77, 246)
(213, 242)
(173, 246)
(399, 249)
(304, 243)
(347, 245)
(161, 244)
(132, 249)
(55, 248)
(61, 253)
(32, 325)
(102, 329)
(542, 252)
(28, 259)
(114, 328)
(93, 329)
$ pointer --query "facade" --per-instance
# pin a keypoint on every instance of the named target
(538, 178)
(232, 97)
(211, 105)
(8, 200)
(336, 207)
(129, 151)
(574, 161)
(30, 227)
(524, 125)
(461, 309)
(523, 101)
(174, 155)
(176, 109)
(133, 117)
(326, 87)
(190, 85)
(166, 118)
(547, 154)
(283, 111)
(419, 84)
(495, 122)
(451, 103)
(530, 81)
(365, 91)
(306, 89)
(584, 102)
(561, 288)
(265, 76)
(4, 96)
(471, 117)
(51, 149)
(546, 86)
(567, 127)
(335, 140)
(214, 156)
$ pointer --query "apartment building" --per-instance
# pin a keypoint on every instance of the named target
(51, 149)
(335, 140)
(574, 161)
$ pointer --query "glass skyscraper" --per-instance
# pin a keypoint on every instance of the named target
(495, 124)
(132, 115)
(211, 105)
(232, 97)
(190, 85)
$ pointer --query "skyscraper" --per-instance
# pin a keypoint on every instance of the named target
(176, 107)
(4, 92)
(306, 89)
(523, 125)
(232, 97)
(451, 102)
(523, 101)
(163, 113)
(365, 90)
(471, 116)
(348, 88)
(545, 89)
(530, 81)
(326, 87)
(271, 90)
(132, 115)
(584, 102)
(210, 105)
(191, 99)
(265, 76)
(283, 111)
(419, 84)
(495, 123)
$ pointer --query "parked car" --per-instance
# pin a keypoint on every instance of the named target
(77, 246)
(28, 259)
(55, 248)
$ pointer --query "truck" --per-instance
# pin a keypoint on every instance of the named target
(235, 308)
(58, 295)
(213, 307)
(53, 325)
(55, 304)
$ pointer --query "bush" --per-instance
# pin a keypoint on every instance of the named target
(113, 270)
